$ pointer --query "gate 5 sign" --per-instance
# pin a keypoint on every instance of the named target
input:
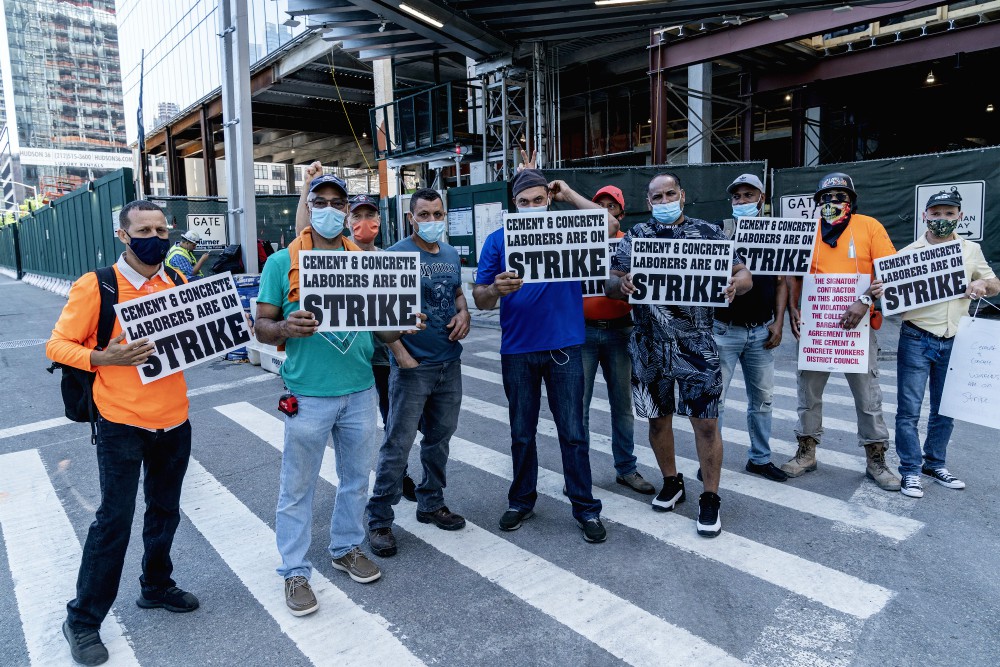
(799, 206)
(973, 193)
(213, 229)
(188, 324)
(554, 246)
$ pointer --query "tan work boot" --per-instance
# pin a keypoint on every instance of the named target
(877, 470)
(805, 458)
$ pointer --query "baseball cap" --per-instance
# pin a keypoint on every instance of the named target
(944, 198)
(613, 192)
(357, 201)
(528, 178)
(191, 236)
(745, 179)
(328, 179)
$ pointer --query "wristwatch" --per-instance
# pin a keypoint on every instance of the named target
(865, 299)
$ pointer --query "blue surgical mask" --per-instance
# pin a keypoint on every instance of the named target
(532, 209)
(328, 222)
(667, 214)
(745, 210)
(431, 232)
(150, 250)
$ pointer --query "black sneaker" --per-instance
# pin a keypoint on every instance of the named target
(709, 518)
(382, 542)
(593, 530)
(671, 494)
(173, 599)
(768, 470)
(409, 488)
(85, 645)
(443, 518)
(944, 478)
(512, 518)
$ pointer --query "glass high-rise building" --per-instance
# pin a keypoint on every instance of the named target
(62, 115)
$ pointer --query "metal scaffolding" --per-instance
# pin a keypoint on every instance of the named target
(507, 122)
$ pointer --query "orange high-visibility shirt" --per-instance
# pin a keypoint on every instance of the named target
(871, 242)
(119, 394)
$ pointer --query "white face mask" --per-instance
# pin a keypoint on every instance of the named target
(532, 209)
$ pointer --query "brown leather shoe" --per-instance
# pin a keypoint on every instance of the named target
(299, 596)
(443, 518)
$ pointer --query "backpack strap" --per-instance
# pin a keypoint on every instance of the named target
(107, 285)
(173, 275)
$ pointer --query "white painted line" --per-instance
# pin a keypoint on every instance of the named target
(786, 495)
(222, 386)
(340, 633)
(12, 431)
(44, 557)
(801, 636)
(584, 607)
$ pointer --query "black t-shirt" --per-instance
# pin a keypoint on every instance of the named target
(754, 307)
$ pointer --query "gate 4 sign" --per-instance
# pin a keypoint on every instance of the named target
(823, 344)
(556, 246)
(188, 324)
(213, 229)
(681, 272)
(361, 291)
(921, 276)
(973, 193)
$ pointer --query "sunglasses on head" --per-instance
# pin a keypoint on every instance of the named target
(830, 197)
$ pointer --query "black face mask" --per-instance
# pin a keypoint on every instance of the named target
(150, 250)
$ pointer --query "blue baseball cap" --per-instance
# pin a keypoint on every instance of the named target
(328, 179)
(357, 201)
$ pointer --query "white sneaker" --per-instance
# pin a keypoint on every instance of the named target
(944, 478)
(911, 486)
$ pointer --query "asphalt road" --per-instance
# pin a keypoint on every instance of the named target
(823, 570)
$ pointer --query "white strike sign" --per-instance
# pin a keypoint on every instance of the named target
(799, 206)
(360, 291)
(776, 246)
(681, 272)
(213, 229)
(973, 193)
(188, 324)
(823, 344)
(595, 287)
(921, 277)
(557, 246)
(972, 386)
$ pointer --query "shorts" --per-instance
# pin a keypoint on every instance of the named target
(691, 361)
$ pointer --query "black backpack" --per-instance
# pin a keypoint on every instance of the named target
(230, 259)
(77, 385)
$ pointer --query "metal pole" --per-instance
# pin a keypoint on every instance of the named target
(238, 128)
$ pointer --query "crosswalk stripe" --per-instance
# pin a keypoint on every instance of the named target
(833, 509)
(545, 586)
(11, 431)
(340, 633)
(44, 554)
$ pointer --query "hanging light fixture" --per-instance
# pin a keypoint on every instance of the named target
(989, 108)
(930, 78)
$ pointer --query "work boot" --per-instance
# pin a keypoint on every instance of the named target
(805, 458)
(877, 470)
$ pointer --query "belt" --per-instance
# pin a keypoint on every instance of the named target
(618, 323)
(923, 332)
(749, 325)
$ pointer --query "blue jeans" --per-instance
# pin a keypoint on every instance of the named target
(121, 451)
(921, 357)
(351, 419)
(562, 372)
(609, 348)
(433, 393)
(738, 343)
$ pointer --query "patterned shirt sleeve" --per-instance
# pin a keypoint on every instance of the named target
(622, 259)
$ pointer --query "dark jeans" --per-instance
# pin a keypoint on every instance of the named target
(121, 450)
(922, 358)
(381, 374)
(562, 372)
(430, 395)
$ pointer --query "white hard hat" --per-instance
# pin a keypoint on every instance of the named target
(192, 236)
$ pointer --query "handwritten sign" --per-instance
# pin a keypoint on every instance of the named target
(557, 246)
(188, 324)
(360, 291)
(972, 386)
(595, 287)
(681, 272)
(776, 246)
(921, 277)
(823, 344)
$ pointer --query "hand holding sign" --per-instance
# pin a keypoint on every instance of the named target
(507, 282)
(118, 353)
(853, 315)
(976, 290)
(300, 324)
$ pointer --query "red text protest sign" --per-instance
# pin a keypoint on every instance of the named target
(824, 345)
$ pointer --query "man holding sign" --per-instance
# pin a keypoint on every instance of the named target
(140, 427)
(673, 344)
(925, 342)
(329, 375)
(847, 245)
(541, 327)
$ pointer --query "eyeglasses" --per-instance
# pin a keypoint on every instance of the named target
(323, 203)
(830, 197)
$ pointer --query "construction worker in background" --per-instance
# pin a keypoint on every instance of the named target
(181, 257)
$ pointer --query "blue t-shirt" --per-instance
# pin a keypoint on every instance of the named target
(440, 278)
(324, 364)
(537, 317)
